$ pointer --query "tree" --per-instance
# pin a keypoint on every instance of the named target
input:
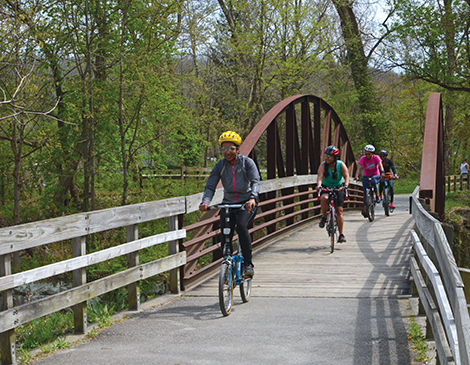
(374, 127)
(431, 43)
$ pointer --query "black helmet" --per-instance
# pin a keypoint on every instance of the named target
(383, 153)
(332, 150)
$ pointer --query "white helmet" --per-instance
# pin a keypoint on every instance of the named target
(369, 148)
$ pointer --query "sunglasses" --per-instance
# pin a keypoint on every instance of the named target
(225, 149)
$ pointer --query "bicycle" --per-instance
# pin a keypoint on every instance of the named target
(231, 269)
(370, 198)
(331, 225)
(386, 194)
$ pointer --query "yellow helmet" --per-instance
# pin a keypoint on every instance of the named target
(230, 136)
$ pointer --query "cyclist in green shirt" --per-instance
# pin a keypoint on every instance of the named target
(330, 175)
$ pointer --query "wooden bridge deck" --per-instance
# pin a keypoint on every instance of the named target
(373, 263)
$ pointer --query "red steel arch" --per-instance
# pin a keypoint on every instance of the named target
(305, 139)
(432, 186)
(289, 140)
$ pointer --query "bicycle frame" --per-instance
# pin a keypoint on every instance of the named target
(332, 227)
(231, 268)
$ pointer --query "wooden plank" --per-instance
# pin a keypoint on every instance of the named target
(173, 248)
(133, 289)
(440, 294)
(463, 329)
(7, 336)
(25, 277)
(79, 278)
(193, 201)
(14, 317)
(432, 313)
(34, 234)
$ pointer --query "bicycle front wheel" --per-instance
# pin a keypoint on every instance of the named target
(371, 206)
(226, 288)
(245, 290)
(386, 202)
(332, 231)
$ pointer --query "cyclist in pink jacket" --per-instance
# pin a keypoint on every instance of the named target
(372, 165)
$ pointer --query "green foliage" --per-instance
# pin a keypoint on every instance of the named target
(458, 199)
(100, 314)
(61, 343)
(407, 184)
(44, 330)
(419, 341)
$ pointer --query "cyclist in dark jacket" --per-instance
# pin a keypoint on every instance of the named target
(389, 167)
(241, 181)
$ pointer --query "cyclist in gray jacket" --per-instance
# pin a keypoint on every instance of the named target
(241, 181)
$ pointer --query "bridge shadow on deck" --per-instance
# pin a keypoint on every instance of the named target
(382, 319)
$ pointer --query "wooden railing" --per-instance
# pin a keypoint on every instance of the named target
(440, 287)
(77, 227)
(457, 183)
(189, 261)
(294, 203)
(182, 173)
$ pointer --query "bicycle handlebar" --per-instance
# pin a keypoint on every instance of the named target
(226, 206)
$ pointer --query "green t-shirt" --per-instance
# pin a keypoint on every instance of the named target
(328, 181)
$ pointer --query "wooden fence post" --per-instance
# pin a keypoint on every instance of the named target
(7, 338)
(79, 278)
(173, 248)
(132, 261)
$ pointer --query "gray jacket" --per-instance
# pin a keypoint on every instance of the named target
(241, 182)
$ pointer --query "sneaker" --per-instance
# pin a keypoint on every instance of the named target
(392, 206)
(364, 213)
(378, 200)
(341, 238)
(248, 271)
(380, 196)
(322, 222)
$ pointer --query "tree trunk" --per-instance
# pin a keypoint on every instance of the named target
(373, 127)
(449, 107)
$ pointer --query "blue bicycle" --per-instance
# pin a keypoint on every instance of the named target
(231, 269)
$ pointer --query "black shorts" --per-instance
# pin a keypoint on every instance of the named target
(339, 201)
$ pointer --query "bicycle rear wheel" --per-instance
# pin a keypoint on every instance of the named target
(245, 290)
(225, 289)
(386, 202)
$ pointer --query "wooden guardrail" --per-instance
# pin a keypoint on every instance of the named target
(440, 287)
(182, 173)
(77, 227)
(285, 204)
(457, 182)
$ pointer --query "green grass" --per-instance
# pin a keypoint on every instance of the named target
(459, 199)
(405, 185)
(419, 342)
